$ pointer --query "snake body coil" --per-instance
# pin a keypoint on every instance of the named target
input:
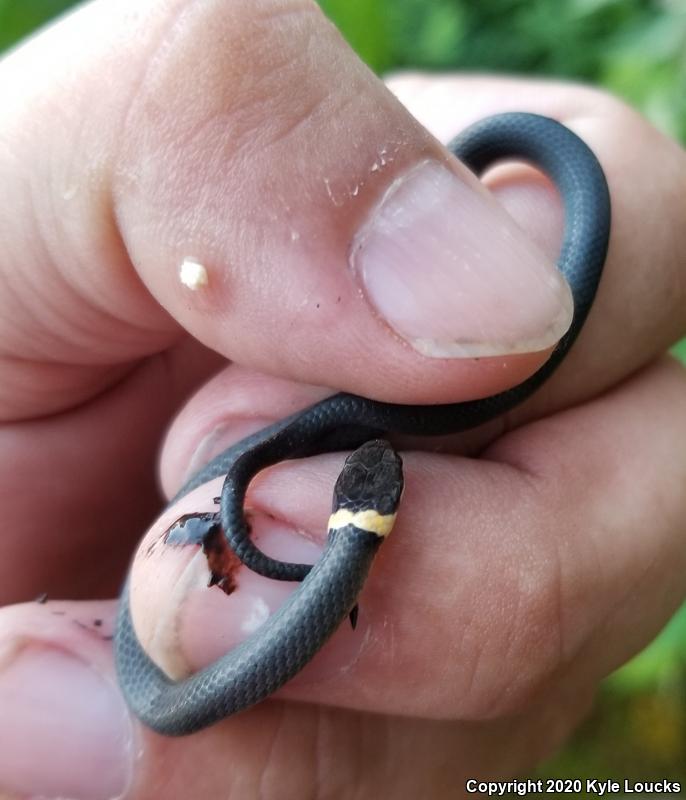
(328, 590)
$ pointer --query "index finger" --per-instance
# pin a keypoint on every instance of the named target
(640, 308)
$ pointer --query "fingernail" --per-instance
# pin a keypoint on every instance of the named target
(453, 274)
(206, 623)
(221, 437)
(226, 621)
(64, 729)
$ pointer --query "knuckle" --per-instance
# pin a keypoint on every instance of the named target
(233, 61)
(220, 82)
(607, 120)
(523, 635)
(529, 646)
(221, 88)
(586, 101)
(605, 103)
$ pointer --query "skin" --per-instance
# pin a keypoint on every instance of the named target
(483, 641)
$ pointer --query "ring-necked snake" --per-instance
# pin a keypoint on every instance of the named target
(369, 488)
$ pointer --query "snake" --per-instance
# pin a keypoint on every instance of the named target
(368, 490)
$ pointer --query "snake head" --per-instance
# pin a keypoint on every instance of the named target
(368, 490)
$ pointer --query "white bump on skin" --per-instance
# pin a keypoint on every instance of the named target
(193, 274)
(256, 616)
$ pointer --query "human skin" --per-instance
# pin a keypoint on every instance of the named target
(249, 137)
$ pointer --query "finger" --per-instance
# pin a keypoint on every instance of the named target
(65, 732)
(222, 144)
(499, 574)
(78, 488)
(239, 401)
(639, 311)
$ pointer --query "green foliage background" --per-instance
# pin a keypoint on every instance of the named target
(636, 48)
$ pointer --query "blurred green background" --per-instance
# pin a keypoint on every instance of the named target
(636, 48)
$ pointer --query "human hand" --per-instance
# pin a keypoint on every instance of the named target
(250, 138)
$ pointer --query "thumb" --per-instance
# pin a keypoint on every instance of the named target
(234, 171)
